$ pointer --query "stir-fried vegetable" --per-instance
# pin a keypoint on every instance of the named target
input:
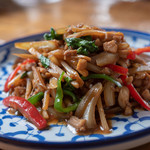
(135, 94)
(118, 69)
(84, 47)
(58, 104)
(24, 75)
(53, 35)
(27, 109)
(45, 61)
(76, 75)
(69, 93)
(102, 76)
(37, 97)
(68, 85)
(138, 51)
(13, 74)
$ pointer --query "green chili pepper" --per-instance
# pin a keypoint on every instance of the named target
(67, 92)
(23, 75)
(68, 85)
(37, 97)
(59, 98)
(102, 76)
(45, 61)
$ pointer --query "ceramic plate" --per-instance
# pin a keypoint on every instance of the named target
(16, 132)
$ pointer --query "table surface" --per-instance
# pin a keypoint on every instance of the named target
(35, 16)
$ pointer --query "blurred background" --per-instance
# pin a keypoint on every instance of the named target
(20, 18)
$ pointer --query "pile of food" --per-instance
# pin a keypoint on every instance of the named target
(78, 74)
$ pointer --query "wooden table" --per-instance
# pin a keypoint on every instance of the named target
(21, 20)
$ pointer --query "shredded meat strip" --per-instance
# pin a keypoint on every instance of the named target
(78, 124)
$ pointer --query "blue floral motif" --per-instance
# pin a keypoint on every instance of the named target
(18, 127)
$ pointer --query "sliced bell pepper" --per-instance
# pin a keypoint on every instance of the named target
(71, 94)
(13, 74)
(138, 51)
(142, 50)
(135, 94)
(58, 103)
(118, 69)
(102, 76)
(131, 55)
(28, 110)
(35, 98)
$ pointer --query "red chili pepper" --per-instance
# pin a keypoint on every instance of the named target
(138, 51)
(13, 74)
(135, 94)
(131, 55)
(118, 69)
(28, 110)
(142, 50)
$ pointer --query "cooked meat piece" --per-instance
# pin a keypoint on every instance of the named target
(146, 82)
(129, 80)
(78, 124)
(110, 46)
(140, 75)
(123, 46)
(139, 60)
(146, 95)
(28, 66)
(128, 111)
(123, 100)
(69, 53)
(124, 62)
(117, 38)
(19, 91)
(98, 42)
(137, 82)
(82, 64)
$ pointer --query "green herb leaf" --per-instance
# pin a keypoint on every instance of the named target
(84, 47)
(53, 35)
(45, 61)
(23, 75)
(88, 38)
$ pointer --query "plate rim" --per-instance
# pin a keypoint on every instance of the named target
(82, 144)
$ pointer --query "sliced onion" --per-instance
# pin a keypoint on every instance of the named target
(106, 58)
(87, 98)
(103, 120)
(48, 45)
(89, 113)
(25, 56)
(109, 94)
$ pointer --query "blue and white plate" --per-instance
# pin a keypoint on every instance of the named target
(17, 133)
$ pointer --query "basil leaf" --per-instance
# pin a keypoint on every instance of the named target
(23, 75)
(45, 61)
(53, 35)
